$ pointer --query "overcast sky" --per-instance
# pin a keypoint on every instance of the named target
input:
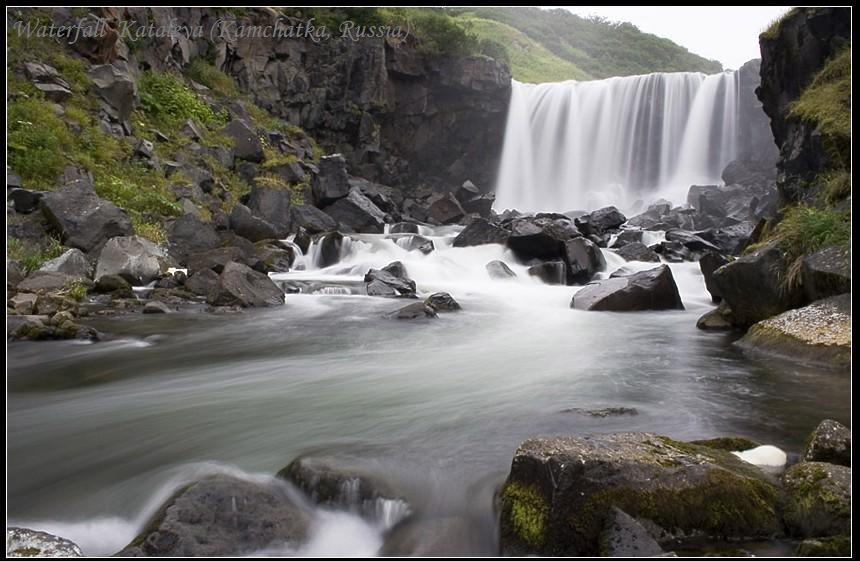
(727, 34)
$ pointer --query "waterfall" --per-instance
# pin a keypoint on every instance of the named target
(623, 141)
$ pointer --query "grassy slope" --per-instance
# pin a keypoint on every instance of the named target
(529, 60)
(598, 48)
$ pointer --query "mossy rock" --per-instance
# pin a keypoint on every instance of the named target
(836, 546)
(818, 500)
(560, 492)
(728, 443)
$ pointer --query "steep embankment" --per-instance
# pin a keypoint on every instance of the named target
(804, 255)
(592, 47)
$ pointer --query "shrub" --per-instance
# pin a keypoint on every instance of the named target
(204, 73)
(37, 142)
(168, 100)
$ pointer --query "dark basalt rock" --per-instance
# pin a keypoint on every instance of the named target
(673, 252)
(446, 210)
(312, 219)
(730, 240)
(826, 273)
(358, 213)
(637, 251)
(216, 259)
(416, 310)
(600, 221)
(540, 238)
(498, 270)
(223, 515)
(710, 262)
(332, 181)
(716, 319)
(653, 289)
(830, 442)
(188, 235)
(442, 302)
(330, 248)
(202, 282)
(691, 241)
(391, 281)
(24, 201)
(272, 205)
(481, 231)
(624, 536)
(403, 228)
(239, 285)
(626, 237)
(249, 226)
(582, 259)
(753, 286)
(247, 144)
(561, 490)
(82, 219)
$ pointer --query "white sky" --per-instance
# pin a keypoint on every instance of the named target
(728, 34)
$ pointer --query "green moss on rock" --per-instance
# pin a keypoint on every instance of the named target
(837, 546)
(818, 499)
(527, 511)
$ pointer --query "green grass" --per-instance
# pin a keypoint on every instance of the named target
(76, 290)
(803, 230)
(218, 82)
(31, 256)
(37, 141)
(772, 30)
(528, 60)
(169, 101)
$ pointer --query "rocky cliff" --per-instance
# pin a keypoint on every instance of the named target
(794, 51)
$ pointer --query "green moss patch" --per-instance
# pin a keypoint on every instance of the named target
(527, 512)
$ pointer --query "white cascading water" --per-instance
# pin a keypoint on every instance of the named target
(621, 141)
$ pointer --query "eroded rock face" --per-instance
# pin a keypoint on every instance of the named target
(560, 490)
(23, 542)
(223, 515)
(830, 442)
(654, 289)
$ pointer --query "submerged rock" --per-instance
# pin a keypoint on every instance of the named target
(560, 490)
(550, 272)
(819, 333)
(416, 310)
(654, 289)
(605, 412)
(499, 270)
(830, 442)
(818, 500)
(222, 515)
(434, 537)
(442, 302)
(23, 542)
(716, 320)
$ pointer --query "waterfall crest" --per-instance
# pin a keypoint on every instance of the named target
(623, 141)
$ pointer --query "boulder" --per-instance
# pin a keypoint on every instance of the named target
(446, 210)
(188, 236)
(330, 249)
(826, 273)
(818, 500)
(754, 286)
(690, 240)
(42, 282)
(116, 84)
(358, 213)
(442, 302)
(653, 289)
(24, 201)
(819, 334)
(23, 542)
(624, 536)
(715, 320)
(625, 237)
(481, 231)
(216, 259)
(136, 259)
(561, 490)
(730, 240)
(830, 442)
(416, 310)
(247, 144)
(391, 281)
(540, 238)
(272, 204)
(239, 285)
(583, 260)
(115, 285)
(156, 307)
(498, 270)
(637, 251)
(222, 515)
(23, 303)
(550, 272)
(312, 219)
(710, 262)
(600, 221)
(273, 256)
(481, 205)
(466, 191)
(82, 219)
(332, 181)
(387, 199)
(249, 226)
(202, 282)
(73, 262)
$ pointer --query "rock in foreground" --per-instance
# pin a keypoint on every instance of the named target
(653, 289)
(239, 285)
(819, 500)
(223, 515)
(561, 490)
(830, 442)
(23, 542)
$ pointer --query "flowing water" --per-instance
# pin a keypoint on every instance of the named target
(583, 145)
(99, 434)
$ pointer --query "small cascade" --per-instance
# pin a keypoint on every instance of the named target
(582, 145)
